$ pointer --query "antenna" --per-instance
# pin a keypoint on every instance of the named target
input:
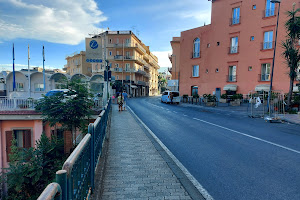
(138, 33)
(133, 28)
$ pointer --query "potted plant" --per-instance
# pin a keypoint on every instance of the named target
(210, 100)
(236, 100)
(223, 98)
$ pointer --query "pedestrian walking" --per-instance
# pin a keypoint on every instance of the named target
(125, 99)
(120, 101)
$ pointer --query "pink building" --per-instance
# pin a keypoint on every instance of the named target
(234, 53)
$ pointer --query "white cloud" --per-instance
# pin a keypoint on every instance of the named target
(163, 58)
(57, 21)
(201, 16)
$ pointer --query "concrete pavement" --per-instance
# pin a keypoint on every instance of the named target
(135, 169)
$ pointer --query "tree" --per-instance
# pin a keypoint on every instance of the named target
(72, 111)
(31, 170)
(291, 52)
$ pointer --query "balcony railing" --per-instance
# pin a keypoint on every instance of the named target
(269, 13)
(195, 55)
(118, 57)
(263, 77)
(118, 69)
(234, 21)
(233, 49)
(267, 45)
(128, 57)
(231, 78)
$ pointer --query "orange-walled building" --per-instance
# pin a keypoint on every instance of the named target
(234, 53)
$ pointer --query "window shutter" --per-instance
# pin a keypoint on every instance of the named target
(9, 138)
(27, 138)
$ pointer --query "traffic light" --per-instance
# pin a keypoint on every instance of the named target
(105, 75)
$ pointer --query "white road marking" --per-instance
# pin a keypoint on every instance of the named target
(200, 188)
(250, 136)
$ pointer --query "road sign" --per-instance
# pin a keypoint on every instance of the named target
(93, 48)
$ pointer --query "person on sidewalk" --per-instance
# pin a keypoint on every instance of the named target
(125, 98)
(120, 101)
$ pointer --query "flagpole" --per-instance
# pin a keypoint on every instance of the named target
(14, 74)
(44, 69)
(29, 84)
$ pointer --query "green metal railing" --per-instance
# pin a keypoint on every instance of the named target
(76, 180)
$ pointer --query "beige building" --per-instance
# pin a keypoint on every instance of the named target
(131, 62)
(76, 64)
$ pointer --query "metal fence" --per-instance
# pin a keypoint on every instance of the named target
(77, 177)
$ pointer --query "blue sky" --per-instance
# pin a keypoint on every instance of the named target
(62, 25)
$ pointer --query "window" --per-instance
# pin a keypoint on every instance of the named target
(218, 43)
(206, 71)
(252, 38)
(117, 77)
(196, 49)
(127, 77)
(38, 87)
(127, 54)
(250, 68)
(236, 15)
(234, 45)
(268, 40)
(254, 7)
(110, 53)
(196, 71)
(217, 70)
(117, 65)
(127, 41)
(127, 67)
(270, 9)
(20, 87)
(232, 74)
(194, 90)
(117, 40)
(265, 72)
(23, 139)
(110, 41)
(208, 45)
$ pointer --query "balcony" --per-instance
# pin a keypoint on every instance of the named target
(231, 78)
(140, 49)
(118, 57)
(139, 71)
(267, 45)
(263, 77)
(269, 13)
(117, 69)
(129, 58)
(146, 57)
(234, 21)
(195, 55)
(233, 50)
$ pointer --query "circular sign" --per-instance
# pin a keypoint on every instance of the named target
(94, 44)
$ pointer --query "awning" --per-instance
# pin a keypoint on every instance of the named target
(133, 86)
(262, 87)
(296, 88)
(231, 87)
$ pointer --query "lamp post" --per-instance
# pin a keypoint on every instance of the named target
(175, 67)
(271, 82)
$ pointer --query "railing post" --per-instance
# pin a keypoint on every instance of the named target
(91, 131)
(61, 179)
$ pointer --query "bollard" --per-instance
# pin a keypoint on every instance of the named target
(61, 179)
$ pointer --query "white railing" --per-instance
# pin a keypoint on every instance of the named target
(11, 104)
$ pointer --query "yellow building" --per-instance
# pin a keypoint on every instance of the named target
(76, 64)
(131, 62)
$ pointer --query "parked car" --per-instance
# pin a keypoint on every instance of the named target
(65, 92)
(170, 97)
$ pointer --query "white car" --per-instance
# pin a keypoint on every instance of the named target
(170, 97)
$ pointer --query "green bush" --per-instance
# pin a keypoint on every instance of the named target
(185, 96)
(31, 170)
(195, 95)
(224, 96)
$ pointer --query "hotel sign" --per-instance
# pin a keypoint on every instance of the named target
(93, 48)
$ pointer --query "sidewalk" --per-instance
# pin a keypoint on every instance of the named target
(135, 169)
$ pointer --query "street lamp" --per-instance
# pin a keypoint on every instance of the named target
(271, 83)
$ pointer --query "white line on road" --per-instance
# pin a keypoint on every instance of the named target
(200, 188)
(250, 136)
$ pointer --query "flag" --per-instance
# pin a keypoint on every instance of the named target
(14, 74)
(28, 53)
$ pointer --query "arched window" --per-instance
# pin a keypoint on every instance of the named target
(196, 50)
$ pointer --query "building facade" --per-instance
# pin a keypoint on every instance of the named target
(76, 64)
(234, 53)
(131, 62)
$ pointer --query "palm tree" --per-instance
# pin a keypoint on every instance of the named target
(291, 52)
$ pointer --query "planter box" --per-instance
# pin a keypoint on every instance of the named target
(235, 103)
(211, 104)
(223, 100)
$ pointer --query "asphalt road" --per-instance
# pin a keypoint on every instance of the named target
(231, 155)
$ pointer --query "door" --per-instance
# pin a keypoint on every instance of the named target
(218, 93)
